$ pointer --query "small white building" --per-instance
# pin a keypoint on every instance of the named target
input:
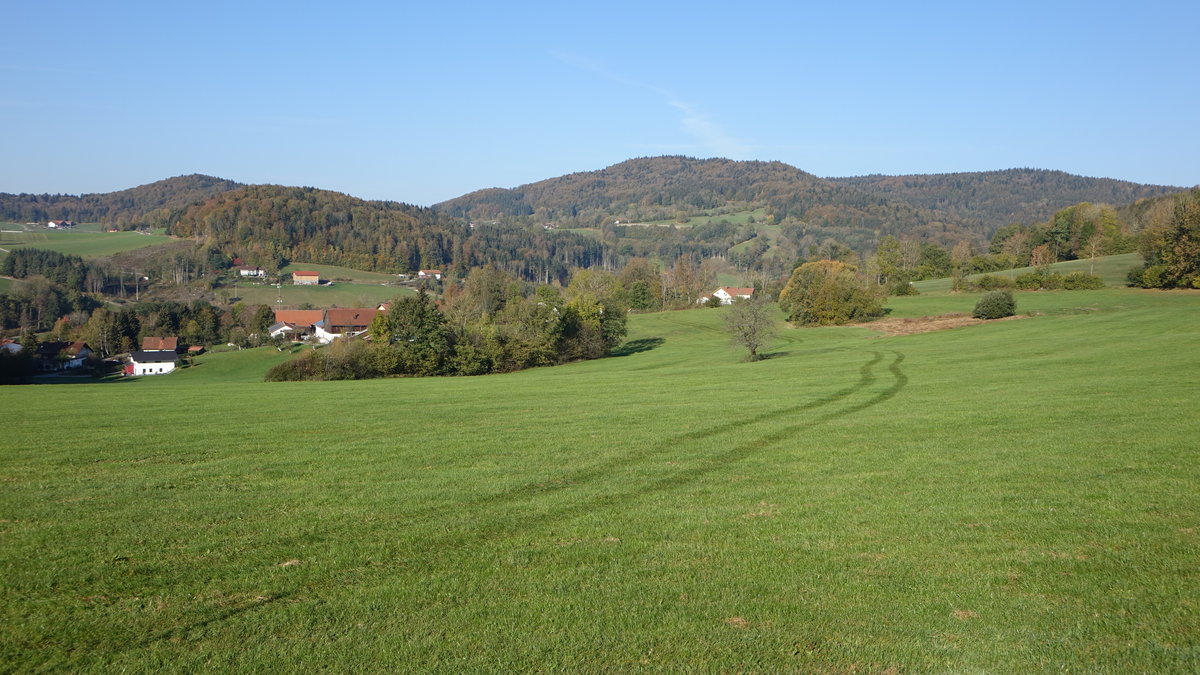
(154, 362)
(251, 271)
(727, 294)
(430, 274)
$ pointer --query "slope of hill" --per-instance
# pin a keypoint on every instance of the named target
(992, 199)
(1018, 496)
(661, 188)
(133, 206)
(271, 224)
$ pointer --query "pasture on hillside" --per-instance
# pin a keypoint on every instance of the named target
(1017, 496)
(87, 245)
(339, 294)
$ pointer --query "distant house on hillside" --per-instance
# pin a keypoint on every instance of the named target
(9, 346)
(62, 355)
(430, 274)
(251, 271)
(152, 362)
(344, 322)
(306, 278)
(727, 294)
(56, 224)
(151, 344)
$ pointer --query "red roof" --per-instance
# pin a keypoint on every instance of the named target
(306, 274)
(159, 343)
(735, 291)
(299, 317)
(349, 317)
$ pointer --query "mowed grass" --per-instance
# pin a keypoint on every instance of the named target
(329, 272)
(1112, 269)
(339, 294)
(84, 244)
(1010, 497)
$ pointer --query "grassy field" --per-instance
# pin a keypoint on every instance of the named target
(85, 244)
(338, 294)
(1112, 269)
(1019, 496)
(328, 272)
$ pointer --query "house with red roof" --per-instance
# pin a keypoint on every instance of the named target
(304, 278)
(727, 294)
(296, 324)
(344, 322)
(62, 355)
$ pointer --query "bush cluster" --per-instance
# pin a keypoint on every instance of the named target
(995, 305)
(1039, 280)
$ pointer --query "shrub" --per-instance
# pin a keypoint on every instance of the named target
(1052, 281)
(904, 288)
(989, 282)
(1082, 281)
(1030, 281)
(829, 293)
(995, 305)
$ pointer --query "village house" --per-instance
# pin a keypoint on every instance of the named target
(251, 271)
(296, 324)
(56, 224)
(430, 274)
(306, 278)
(151, 362)
(62, 355)
(344, 322)
(727, 294)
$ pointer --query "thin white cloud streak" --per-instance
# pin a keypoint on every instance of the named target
(708, 133)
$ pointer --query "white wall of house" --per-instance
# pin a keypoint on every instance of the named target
(153, 368)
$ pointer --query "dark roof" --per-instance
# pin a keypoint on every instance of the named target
(154, 356)
(53, 348)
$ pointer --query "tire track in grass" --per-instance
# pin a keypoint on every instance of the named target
(505, 525)
(866, 378)
(686, 476)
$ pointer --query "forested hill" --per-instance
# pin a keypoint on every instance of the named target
(142, 205)
(992, 199)
(664, 188)
(271, 224)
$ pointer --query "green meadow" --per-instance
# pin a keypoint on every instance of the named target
(1016, 496)
(1112, 269)
(337, 294)
(84, 244)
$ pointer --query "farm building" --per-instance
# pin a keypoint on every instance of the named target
(727, 294)
(344, 322)
(430, 274)
(56, 224)
(251, 271)
(151, 362)
(306, 278)
(296, 324)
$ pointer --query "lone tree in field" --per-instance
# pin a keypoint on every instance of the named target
(829, 293)
(750, 324)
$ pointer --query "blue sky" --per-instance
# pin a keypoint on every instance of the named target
(421, 102)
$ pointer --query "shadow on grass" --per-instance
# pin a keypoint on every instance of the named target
(637, 346)
(772, 355)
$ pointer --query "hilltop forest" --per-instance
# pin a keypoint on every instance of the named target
(760, 218)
